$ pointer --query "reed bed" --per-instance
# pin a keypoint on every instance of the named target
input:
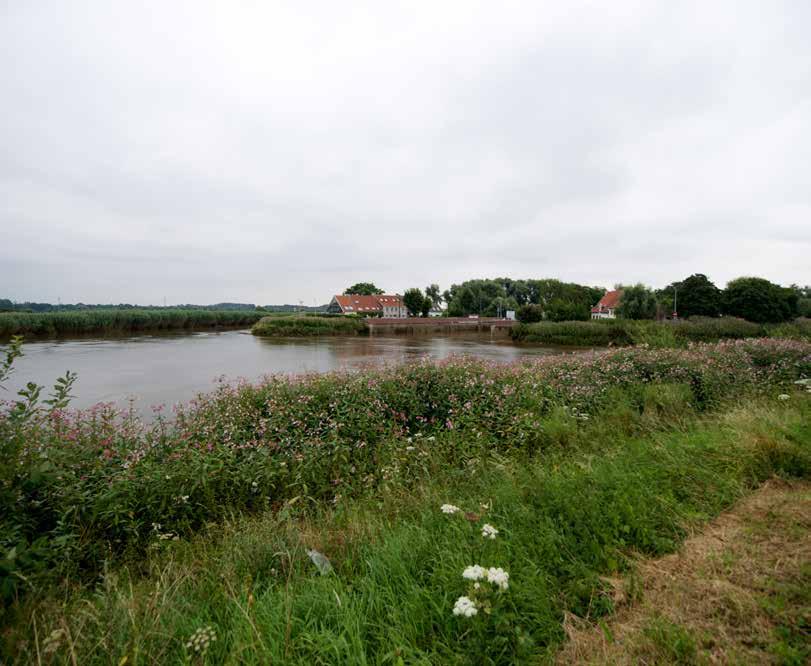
(120, 321)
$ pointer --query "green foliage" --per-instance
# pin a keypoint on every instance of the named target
(567, 519)
(309, 325)
(606, 332)
(489, 297)
(363, 289)
(432, 292)
(121, 321)
(759, 300)
(637, 302)
(697, 296)
(414, 301)
(560, 310)
(110, 486)
(529, 313)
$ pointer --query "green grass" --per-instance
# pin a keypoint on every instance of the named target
(309, 325)
(120, 321)
(619, 332)
(618, 486)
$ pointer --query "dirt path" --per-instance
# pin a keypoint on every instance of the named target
(739, 592)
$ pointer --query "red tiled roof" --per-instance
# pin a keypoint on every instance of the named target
(609, 301)
(361, 303)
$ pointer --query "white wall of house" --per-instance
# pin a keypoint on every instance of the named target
(395, 311)
(605, 314)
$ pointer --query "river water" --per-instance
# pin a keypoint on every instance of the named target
(168, 368)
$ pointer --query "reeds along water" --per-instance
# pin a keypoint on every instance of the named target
(108, 321)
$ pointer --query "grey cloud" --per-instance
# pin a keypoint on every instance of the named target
(277, 152)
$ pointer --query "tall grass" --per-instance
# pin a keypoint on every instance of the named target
(120, 321)
(309, 325)
(619, 332)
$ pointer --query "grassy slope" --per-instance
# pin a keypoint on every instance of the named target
(629, 482)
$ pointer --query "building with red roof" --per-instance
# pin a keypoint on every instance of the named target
(606, 308)
(380, 305)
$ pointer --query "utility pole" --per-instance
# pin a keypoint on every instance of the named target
(675, 301)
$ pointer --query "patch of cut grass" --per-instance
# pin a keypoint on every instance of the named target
(738, 591)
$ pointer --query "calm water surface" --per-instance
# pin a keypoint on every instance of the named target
(170, 368)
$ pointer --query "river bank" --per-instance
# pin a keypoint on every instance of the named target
(573, 463)
(621, 333)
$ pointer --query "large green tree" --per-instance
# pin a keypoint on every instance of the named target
(432, 292)
(489, 297)
(697, 296)
(637, 302)
(759, 300)
(414, 301)
(364, 289)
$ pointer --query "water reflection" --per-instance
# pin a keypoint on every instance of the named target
(169, 368)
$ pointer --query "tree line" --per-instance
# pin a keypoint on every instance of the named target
(751, 298)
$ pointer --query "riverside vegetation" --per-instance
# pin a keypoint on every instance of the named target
(301, 520)
(308, 325)
(120, 321)
(622, 332)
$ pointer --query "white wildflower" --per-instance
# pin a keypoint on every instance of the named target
(475, 573)
(201, 639)
(449, 508)
(783, 396)
(489, 532)
(497, 576)
(410, 448)
(465, 607)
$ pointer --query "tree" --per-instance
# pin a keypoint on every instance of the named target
(560, 310)
(759, 300)
(529, 313)
(413, 300)
(803, 300)
(637, 302)
(697, 296)
(363, 289)
(427, 304)
(432, 292)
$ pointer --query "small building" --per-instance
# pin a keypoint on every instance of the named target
(606, 308)
(378, 305)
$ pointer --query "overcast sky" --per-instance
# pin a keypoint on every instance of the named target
(271, 152)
